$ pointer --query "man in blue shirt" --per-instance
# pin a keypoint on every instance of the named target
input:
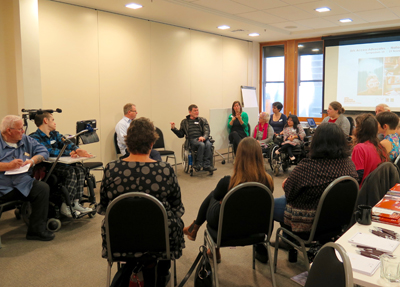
(18, 150)
(73, 175)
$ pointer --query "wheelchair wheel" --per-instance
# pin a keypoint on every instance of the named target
(53, 225)
(26, 211)
(93, 206)
(185, 159)
(275, 161)
(17, 213)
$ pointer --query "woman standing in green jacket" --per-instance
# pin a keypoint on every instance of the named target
(237, 125)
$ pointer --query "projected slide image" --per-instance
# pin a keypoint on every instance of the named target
(370, 72)
(392, 76)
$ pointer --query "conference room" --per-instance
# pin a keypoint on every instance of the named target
(89, 58)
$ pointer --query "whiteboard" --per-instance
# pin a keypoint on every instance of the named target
(249, 97)
(219, 125)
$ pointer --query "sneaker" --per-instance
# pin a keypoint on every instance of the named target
(65, 210)
(197, 167)
(78, 207)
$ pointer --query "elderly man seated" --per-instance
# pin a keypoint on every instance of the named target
(17, 151)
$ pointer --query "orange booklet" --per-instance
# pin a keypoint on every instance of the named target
(388, 206)
(396, 187)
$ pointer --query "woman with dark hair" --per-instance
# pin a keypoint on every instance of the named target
(329, 160)
(335, 113)
(238, 127)
(367, 153)
(293, 135)
(138, 172)
(248, 166)
(387, 125)
(277, 120)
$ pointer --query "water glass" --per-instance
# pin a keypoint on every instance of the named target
(390, 268)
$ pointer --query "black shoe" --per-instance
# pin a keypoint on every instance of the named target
(209, 168)
(43, 235)
(261, 253)
(197, 167)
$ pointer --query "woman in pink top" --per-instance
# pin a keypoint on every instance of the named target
(368, 153)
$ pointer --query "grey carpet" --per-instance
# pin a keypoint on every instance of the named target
(73, 258)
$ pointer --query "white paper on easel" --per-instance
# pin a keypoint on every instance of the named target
(374, 241)
(362, 264)
(20, 170)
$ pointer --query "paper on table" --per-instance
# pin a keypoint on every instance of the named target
(20, 170)
(377, 242)
(363, 264)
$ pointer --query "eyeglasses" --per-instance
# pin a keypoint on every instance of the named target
(133, 111)
(20, 130)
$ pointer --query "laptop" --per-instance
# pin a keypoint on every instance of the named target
(311, 123)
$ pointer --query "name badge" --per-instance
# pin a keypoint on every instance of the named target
(196, 123)
(53, 141)
(280, 120)
(26, 154)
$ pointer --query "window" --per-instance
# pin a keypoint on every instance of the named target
(273, 79)
(310, 76)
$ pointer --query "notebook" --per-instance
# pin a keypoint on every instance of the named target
(380, 243)
(362, 264)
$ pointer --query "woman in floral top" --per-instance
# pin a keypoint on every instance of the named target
(388, 123)
(293, 135)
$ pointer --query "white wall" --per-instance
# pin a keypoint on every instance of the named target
(93, 63)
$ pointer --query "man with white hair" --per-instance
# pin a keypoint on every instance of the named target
(381, 108)
(121, 129)
(16, 151)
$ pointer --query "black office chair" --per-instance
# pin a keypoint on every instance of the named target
(245, 218)
(116, 147)
(127, 222)
(330, 271)
(334, 213)
(159, 144)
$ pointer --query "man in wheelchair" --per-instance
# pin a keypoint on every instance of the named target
(16, 152)
(197, 132)
(72, 175)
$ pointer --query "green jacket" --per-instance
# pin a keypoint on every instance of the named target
(245, 125)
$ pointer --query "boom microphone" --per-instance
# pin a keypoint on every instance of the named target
(40, 111)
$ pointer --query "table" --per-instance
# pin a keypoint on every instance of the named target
(361, 279)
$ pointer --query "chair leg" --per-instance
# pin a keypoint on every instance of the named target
(254, 256)
(173, 281)
(176, 168)
(109, 274)
(214, 253)
(271, 265)
(276, 250)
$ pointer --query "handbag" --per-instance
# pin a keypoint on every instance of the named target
(203, 275)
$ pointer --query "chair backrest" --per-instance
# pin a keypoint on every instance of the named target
(330, 271)
(160, 141)
(136, 222)
(335, 208)
(246, 212)
(117, 150)
(378, 182)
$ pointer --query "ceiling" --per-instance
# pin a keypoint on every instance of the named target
(274, 20)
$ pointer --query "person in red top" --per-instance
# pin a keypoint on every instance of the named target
(367, 153)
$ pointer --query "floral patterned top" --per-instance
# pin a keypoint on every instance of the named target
(155, 178)
(394, 139)
(290, 131)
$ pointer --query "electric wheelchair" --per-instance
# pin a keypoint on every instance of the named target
(282, 160)
(189, 156)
